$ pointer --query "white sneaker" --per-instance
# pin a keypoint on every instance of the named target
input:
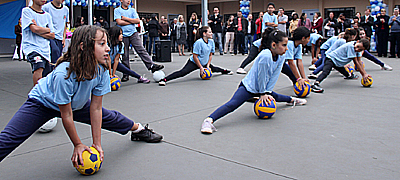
(386, 67)
(312, 67)
(162, 83)
(207, 127)
(297, 101)
(241, 71)
(48, 126)
(312, 76)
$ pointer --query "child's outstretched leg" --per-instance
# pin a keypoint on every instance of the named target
(23, 124)
(115, 121)
(218, 69)
(188, 68)
(122, 68)
(372, 58)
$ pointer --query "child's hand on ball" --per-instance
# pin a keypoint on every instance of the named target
(266, 99)
(366, 76)
(101, 152)
(77, 154)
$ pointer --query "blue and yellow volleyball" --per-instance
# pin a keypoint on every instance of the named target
(207, 74)
(305, 90)
(115, 83)
(356, 68)
(349, 69)
(91, 162)
(264, 111)
(368, 82)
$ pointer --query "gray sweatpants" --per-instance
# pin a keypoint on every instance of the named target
(137, 44)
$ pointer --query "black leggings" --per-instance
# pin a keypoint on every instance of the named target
(189, 67)
(252, 55)
(328, 68)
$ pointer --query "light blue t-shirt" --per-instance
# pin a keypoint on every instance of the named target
(344, 54)
(116, 50)
(257, 43)
(33, 42)
(203, 50)
(269, 18)
(130, 29)
(293, 52)
(313, 39)
(336, 45)
(54, 89)
(327, 44)
(264, 74)
(60, 17)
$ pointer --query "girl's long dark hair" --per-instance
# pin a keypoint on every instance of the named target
(80, 53)
(200, 32)
(299, 33)
(114, 33)
(303, 19)
(271, 35)
(349, 32)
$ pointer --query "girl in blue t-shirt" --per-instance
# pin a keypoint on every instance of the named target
(74, 91)
(117, 48)
(201, 58)
(260, 80)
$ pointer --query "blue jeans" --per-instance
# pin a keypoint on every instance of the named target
(145, 40)
(219, 41)
(288, 72)
(248, 39)
(372, 58)
(240, 96)
(33, 114)
(320, 63)
(152, 43)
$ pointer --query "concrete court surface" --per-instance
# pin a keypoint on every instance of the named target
(348, 132)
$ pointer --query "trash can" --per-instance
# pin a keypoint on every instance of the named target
(163, 51)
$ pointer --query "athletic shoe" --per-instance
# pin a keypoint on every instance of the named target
(316, 88)
(227, 72)
(387, 67)
(125, 78)
(312, 76)
(162, 82)
(207, 127)
(297, 101)
(147, 135)
(241, 71)
(221, 53)
(156, 67)
(143, 80)
(352, 76)
(312, 67)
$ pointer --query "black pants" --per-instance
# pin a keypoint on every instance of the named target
(395, 40)
(328, 68)
(239, 39)
(252, 55)
(189, 67)
(382, 45)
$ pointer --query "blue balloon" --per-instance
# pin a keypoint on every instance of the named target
(379, 4)
(75, 3)
(118, 4)
(248, 3)
(373, 6)
(106, 4)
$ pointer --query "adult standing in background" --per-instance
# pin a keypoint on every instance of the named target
(154, 31)
(215, 22)
(259, 22)
(293, 23)
(127, 18)
(367, 22)
(181, 35)
(269, 18)
(240, 29)
(282, 20)
(343, 23)
(164, 28)
(304, 21)
(251, 29)
(330, 25)
(193, 25)
(382, 33)
(394, 22)
(173, 34)
(104, 24)
(18, 33)
(80, 21)
(317, 23)
(230, 34)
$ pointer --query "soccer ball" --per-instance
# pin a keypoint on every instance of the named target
(305, 90)
(367, 83)
(48, 126)
(158, 75)
(264, 111)
(207, 74)
(91, 161)
(115, 83)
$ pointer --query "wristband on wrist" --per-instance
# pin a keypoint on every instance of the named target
(298, 79)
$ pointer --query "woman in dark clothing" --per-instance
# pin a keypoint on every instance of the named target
(104, 24)
(193, 25)
(181, 35)
(154, 30)
(18, 32)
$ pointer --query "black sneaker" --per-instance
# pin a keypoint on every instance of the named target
(316, 88)
(125, 78)
(156, 67)
(146, 135)
(352, 76)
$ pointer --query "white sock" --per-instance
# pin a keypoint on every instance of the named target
(140, 127)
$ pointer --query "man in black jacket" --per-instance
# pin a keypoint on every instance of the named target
(249, 33)
(382, 32)
(240, 24)
(343, 23)
(215, 22)
(367, 22)
(173, 34)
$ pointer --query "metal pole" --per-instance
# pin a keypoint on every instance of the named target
(204, 8)
(90, 12)
(71, 21)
